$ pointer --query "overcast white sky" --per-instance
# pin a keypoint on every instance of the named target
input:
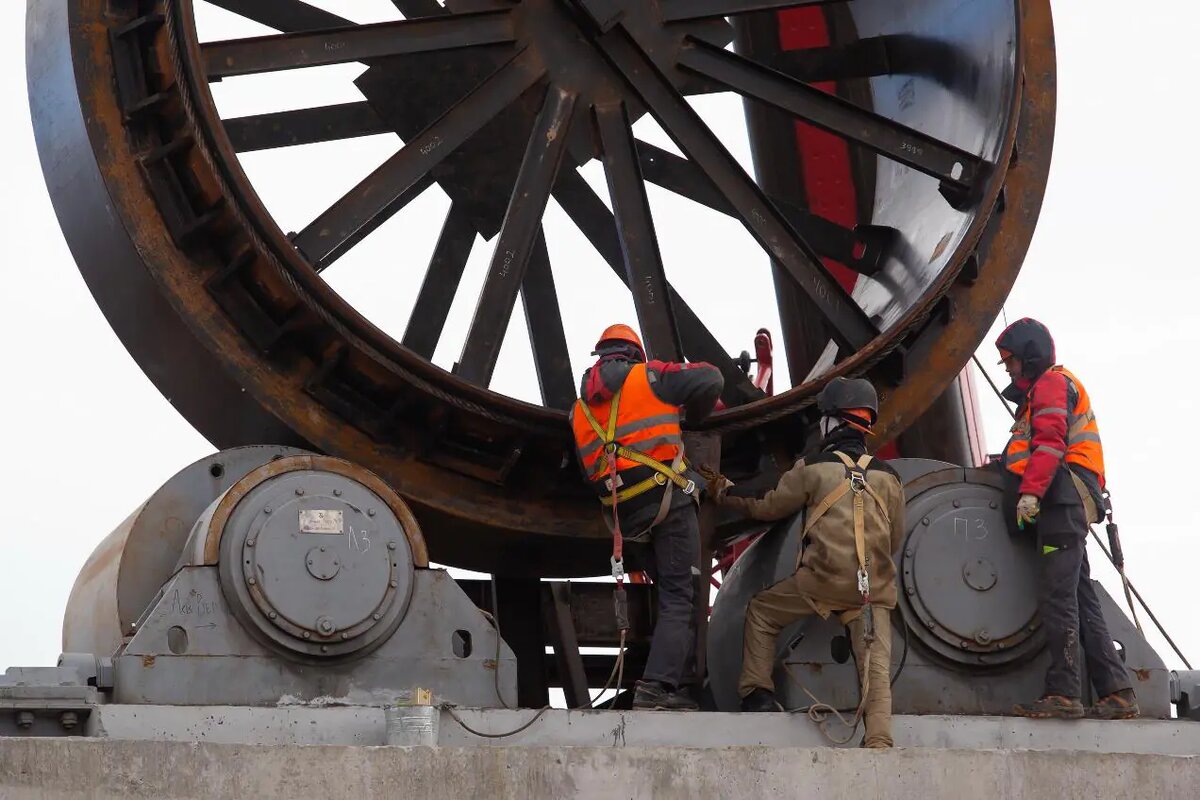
(87, 438)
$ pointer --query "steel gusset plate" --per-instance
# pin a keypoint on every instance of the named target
(948, 114)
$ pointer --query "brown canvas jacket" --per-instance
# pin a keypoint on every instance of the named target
(829, 564)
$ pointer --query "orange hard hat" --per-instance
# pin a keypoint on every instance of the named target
(620, 333)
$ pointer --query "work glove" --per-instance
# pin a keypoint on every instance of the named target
(1028, 508)
(717, 487)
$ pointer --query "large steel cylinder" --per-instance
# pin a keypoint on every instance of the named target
(125, 572)
(901, 150)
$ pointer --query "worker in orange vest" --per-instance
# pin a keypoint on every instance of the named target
(1056, 458)
(630, 446)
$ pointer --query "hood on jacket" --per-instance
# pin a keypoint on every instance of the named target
(606, 376)
(1031, 342)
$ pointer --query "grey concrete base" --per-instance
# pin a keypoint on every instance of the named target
(39, 769)
(365, 726)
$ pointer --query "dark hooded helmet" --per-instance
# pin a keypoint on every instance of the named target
(1030, 341)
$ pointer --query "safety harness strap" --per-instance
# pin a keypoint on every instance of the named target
(608, 436)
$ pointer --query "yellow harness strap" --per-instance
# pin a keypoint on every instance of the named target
(608, 435)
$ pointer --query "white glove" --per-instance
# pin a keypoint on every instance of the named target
(1028, 508)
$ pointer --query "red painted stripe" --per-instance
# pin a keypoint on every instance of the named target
(824, 157)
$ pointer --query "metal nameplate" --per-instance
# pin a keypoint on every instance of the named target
(321, 521)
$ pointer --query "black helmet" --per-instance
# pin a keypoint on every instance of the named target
(1030, 341)
(842, 394)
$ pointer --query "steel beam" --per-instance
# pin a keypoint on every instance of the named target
(304, 126)
(952, 166)
(290, 16)
(543, 318)
(342, 45)
(365, 205)
(848, 325)
(445, 272)
(596, 222)
(639, 241)
(522, 222)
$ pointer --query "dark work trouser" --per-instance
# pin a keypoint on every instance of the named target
(1070, 609)
(676, 543)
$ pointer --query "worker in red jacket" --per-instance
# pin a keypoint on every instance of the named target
(1056, 458)
(630, 446)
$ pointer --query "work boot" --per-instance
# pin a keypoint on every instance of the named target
(760, 700)
(656, 696)
(1052, 706)
(1118, 705)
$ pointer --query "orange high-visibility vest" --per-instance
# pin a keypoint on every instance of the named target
(644, 429)
(1083, 434)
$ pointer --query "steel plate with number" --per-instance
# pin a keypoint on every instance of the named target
(320, 521)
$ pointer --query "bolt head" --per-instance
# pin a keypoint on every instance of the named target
(345, 636)
(268, 510)
(993, 504)
(24, 719)
(958, 503)
(911, 590)
(391, 545)
(273, 615)
(337, 492)
(377, 617)
(69, 720)
(250, 542)
(925, 521)
(251, 581)
(370, 512)
(322, 549)
(299, 492)
(395, 584)
(307, 635)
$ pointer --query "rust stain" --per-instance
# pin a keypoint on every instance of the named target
(1142, 674)
(147, 661)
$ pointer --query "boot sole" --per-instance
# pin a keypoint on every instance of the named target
(1051, 714)
(1120, 714)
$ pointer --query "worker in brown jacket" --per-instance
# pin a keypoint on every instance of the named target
(854, 509)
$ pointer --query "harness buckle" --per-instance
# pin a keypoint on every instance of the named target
(864, 583)
(610, 448)
(660, 479)
(618, 568)
(858, 482)
(690, 489)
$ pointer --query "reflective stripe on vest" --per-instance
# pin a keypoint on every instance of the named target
(1083, 434)
(643, 422)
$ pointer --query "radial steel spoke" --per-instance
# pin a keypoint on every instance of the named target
(441, 284)
(676, 174)
(543, 317)
(304, 126)
(596, 222)
(367, 205)
(953, 167)
(849, 326)
(419, 8)
(639, 242)
(398, 204)
(341, 45)
(522, 224)
(288, 16)
(684, 10)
